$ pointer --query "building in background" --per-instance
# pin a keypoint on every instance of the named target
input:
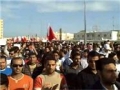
(1, 28)
(98, 36)
(118, 34)
(64, 36)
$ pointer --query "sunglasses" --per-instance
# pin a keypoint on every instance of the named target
(16, 65)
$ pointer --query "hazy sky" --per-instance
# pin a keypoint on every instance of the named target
(30, 17)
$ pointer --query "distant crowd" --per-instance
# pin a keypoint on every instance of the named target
(60, 65)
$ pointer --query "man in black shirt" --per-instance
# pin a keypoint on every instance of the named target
(88, 76)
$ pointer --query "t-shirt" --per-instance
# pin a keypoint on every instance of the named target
(56, 80)
(7, 71)
(24, 83)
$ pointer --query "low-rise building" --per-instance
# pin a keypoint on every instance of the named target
(64, 36)
(107, 35)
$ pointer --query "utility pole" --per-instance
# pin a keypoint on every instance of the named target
(60, 34)
(85, 38)
(113, 24)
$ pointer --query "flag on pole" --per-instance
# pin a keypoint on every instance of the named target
(50, 34)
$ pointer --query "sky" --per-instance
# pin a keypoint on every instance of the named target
(31, 17)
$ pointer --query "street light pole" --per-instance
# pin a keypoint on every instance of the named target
(85, 38)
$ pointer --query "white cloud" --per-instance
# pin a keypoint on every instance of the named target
(43, 6)
(67, 6)
(98, 6)
(58, 7)
(7, 9)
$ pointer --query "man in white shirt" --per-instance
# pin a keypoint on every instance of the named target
(107, 47)
(84, 56)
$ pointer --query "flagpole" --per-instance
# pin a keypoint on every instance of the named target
(47, 33)
(85, 38)
(48, 29)
(47, 36)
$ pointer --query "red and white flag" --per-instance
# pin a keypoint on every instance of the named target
(50, 34)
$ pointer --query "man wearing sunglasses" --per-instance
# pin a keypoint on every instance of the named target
(18, 80)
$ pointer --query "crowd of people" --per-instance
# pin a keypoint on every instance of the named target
(60, 66)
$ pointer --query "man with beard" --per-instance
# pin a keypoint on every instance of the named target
(107, 72)
(50, 79)
(18, 80)
(73, 69)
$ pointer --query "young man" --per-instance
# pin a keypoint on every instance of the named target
(32, 67)
(50, 79)
(85, 55)
(73, 69)
(58, 61)
(107, 72)
(88, 76)
(3, 66)
(13, 52)
(62, 55)
(3, 82)
(18, 80)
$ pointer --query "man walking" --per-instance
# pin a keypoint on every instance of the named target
(50, 79)
(18, 80)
